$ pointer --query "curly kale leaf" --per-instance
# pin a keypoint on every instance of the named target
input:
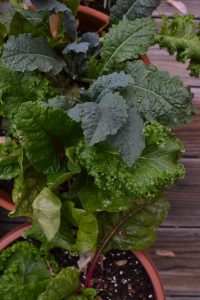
(24, 273)
(156, 168)
(44, 132)
(105, 85)
(132, 9)
(81, 47)
(11, 156)
(50, 5)
(102, 119)
(157, 96)
(16, 89)
(139, 232)
(24, 53)
(126, 41)
(92, 38)
(180, 36)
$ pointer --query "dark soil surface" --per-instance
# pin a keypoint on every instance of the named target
(118, 276)
(98, 4)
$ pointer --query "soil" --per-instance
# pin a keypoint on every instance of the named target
(118, 276)
(98, 4)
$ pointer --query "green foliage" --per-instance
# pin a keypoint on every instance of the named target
(46, 210)
(11, 156)
(180, 36)
(72, 4)
(126, 41)
(157, 96)
(24, 53)
(132, 9)
(44, 131)
(154, 170)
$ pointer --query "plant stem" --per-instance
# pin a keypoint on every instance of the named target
(107, 240)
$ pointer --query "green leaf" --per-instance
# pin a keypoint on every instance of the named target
(156, 168)
(24, 53)
(11, 156)
(44, 131)
(132, 9)
(84, 294)
(65, 283)
(72, 4)
(157, 96)
(180, 36)
(3, 33)
(126, 41)
(56, 179)
(129, 140)
(46, 210)
(50, 5)
(139, 232)
(101, 119)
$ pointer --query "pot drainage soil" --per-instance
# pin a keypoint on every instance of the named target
(119, 275)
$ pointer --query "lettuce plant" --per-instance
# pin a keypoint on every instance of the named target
(88, 142)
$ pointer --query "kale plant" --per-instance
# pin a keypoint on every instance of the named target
(88, 141)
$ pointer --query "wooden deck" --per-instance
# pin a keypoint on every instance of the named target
(177, 251)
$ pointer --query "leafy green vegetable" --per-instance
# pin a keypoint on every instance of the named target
(11, 156)
(43, 132)
(139, 232)
(65, 283)
(102, 119)
(157, 96)
(46, 210)
(24, 53)
(155, 169)
(132, 9)
(180, 35)
(72, 4)
(127, 41)
(50, 5)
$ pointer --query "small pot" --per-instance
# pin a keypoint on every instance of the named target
(142, 256)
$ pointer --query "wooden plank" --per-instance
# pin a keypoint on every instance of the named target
(184, 206)
(192, 177)
(183, 297)
(193, 7)
(177, 256)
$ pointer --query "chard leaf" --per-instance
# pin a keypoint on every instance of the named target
(107, 84)
(180, 36)
(157, 96)
(125, 41)
(132, 9)
(46, 210)
(44, 132)
(139, 232)
(24, 53)
(11, 156)
(156, 168)
(60, 287)
(129, 140)
(50, 5)
(101, 119)
(56, 179)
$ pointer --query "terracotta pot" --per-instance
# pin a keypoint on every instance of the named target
(142, 256)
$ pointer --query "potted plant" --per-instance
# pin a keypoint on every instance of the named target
(88, 149)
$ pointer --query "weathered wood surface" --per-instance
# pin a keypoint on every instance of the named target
(192, 7)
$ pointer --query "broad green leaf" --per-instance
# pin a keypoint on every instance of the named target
(156, 168)
(101, 119)
(65, 283)
(126, 41)
(72, 214)
(139, 232)
(46, 210)
(132, 9)
(54, 180)
(181, 36)
(72, 4)
(157, 96)
(24, 53)
(87, 233)
(129, 140)
(3, 33)
(44, 131)
(84, 294)
(11, 156)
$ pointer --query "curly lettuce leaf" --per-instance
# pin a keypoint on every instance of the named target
(132, 9)
(156, 168)
(102, 119)
(126, 41)
(157, 96)
(44, 131)
(139, 232)
(24, 53)
(180, 36)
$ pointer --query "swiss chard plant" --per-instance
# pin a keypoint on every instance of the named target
(87, 144)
